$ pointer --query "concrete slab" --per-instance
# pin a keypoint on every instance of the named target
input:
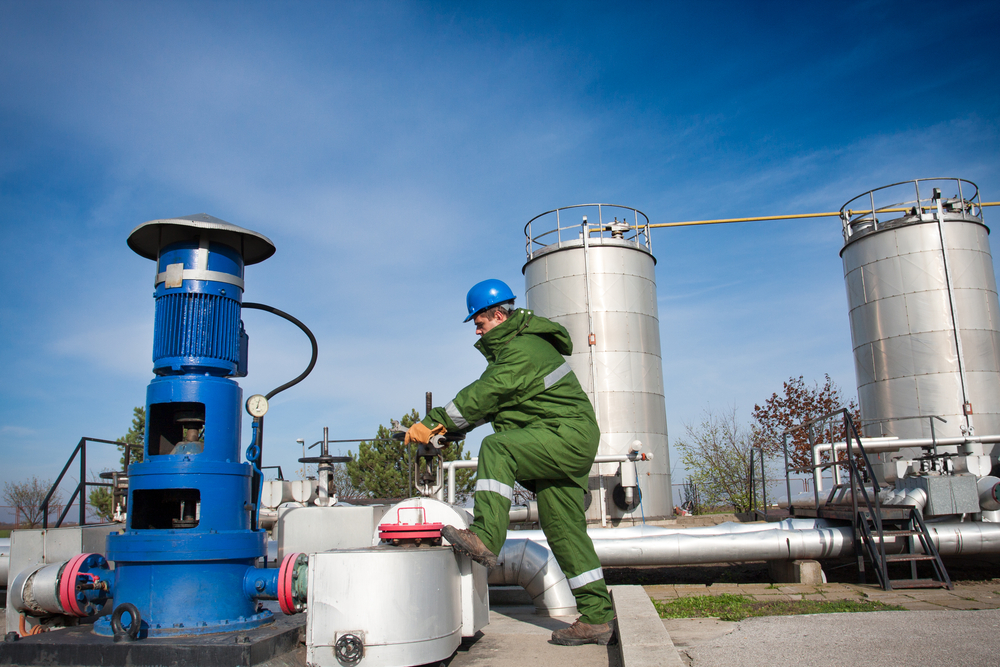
(517, 637)
(686, 632)
(900, 638)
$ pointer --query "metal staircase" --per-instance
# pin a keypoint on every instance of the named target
(875, 525)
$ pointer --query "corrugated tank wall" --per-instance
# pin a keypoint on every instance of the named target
(925, 323)
(622, 372)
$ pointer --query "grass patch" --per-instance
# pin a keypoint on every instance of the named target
(730, 607)
(4, 533)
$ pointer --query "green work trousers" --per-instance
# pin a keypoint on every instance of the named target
(528, 456)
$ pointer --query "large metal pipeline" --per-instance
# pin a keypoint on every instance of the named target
(526, 560)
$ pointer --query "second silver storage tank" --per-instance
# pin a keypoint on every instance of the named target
(596, 277)
(925, 320)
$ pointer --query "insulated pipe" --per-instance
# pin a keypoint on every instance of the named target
(524, 513)
(914, 497)
(472, 464)
(889, 445)
(525, 559)
(532, 566)
(788, 540)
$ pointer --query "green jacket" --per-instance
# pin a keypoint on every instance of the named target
(529, 385)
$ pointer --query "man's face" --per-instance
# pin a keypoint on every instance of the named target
(483, 324)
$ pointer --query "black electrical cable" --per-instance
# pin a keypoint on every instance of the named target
(305, 330)
(259, 440)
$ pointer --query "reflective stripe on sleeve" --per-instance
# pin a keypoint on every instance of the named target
(496, 487)
(557, 374)
(585, 578)
(456, 416)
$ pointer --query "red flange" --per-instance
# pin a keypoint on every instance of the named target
(286, 598)
(409, 531)
(67, 585)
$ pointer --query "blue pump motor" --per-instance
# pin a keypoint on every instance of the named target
(189, 541)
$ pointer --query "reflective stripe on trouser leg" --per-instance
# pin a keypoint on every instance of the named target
(560, 508)
(587, 577)
(521, 453)
(494, 493)
(494, 486)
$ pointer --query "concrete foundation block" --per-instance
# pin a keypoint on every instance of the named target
(796, 572)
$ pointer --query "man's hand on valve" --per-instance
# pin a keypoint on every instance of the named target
(422, 435)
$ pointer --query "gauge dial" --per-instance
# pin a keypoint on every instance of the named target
(257, 405)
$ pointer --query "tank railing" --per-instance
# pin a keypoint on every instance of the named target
(632, 231)
(968, 203)
(81, 487)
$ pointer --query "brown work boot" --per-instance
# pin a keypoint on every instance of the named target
(468, 543)
(584, 633)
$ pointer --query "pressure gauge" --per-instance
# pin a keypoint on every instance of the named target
(257, 405)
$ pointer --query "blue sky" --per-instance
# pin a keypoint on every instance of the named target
(394, 151)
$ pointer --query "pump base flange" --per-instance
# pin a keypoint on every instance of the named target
(79, 645)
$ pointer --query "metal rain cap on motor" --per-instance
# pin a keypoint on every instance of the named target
(485, 294)
(147, 239)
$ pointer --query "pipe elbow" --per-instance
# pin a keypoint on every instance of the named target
(989, 493)
(532, 566)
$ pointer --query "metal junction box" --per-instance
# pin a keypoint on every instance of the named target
(946, 494)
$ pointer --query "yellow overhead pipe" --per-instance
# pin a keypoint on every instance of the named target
(834, 214)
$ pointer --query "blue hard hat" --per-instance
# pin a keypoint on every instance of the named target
(485, 294)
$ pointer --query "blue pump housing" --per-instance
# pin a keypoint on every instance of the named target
(188, 547)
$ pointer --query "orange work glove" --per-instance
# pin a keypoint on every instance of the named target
(421, 434)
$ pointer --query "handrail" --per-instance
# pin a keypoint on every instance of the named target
(857, 484)
(753, 485)
(635, 232)
(966, 202)
(81, 487)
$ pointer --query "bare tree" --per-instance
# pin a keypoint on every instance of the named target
(341, 480)
(26, 497)
(716, 453)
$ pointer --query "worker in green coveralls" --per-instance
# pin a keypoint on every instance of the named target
(546, 438)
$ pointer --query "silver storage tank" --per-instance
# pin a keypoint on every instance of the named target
(596, 278)
(925, 321)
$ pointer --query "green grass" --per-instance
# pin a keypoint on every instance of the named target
(4, 533)
(730, 607)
